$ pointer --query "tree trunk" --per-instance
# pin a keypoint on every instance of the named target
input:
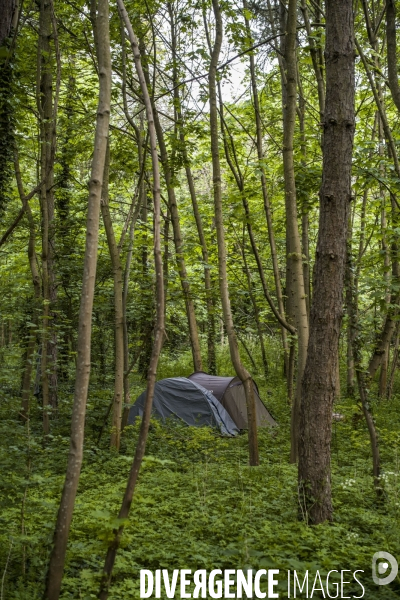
(57, 558)
(241, 372)
(256, 313)
(127, 396)
(362, 378)
(118, 310)
(267, 205)
(317, 63)
(349, 286)
(392, 60)
(394, 363)
(6, 19)
(27, 375)
(211, 356)
(319, 382)
(159, 328)
(304, 207)
(236, 171)
(47, 127)
(382, 344)
(45, 108)
(295, 281)
(176, 227)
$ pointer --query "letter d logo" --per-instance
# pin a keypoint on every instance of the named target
(382, 568)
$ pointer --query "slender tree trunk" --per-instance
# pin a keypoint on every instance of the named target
(241, 372)
(362, 379)
(211, 357)
(45, 108)
(256, 314)
(383, 382)
(210, 302)
(295, 287)
(267, 205)
(178, 238)
(383, 342)
(386, 334)
(167, 221)
(159, 328)
(57, 557)
(349, 286)
(236, 171)
(319, 382)
(392, 59)
(63, 195)
(362, 388)
(394, 363)
(317, 63)
(127, 395)
(118, 310)
(27, 375)
(304, 207)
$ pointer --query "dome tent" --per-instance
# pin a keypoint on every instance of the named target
(230, 392)
(186, 400)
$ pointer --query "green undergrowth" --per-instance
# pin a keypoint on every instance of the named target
(198, 504)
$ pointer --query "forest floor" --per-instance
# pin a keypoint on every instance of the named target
(198, 504)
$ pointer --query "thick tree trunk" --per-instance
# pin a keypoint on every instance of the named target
(8, 8)
(295, 281)
(159, 327)
(57, 558)
(241, 372)
(319, 382)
